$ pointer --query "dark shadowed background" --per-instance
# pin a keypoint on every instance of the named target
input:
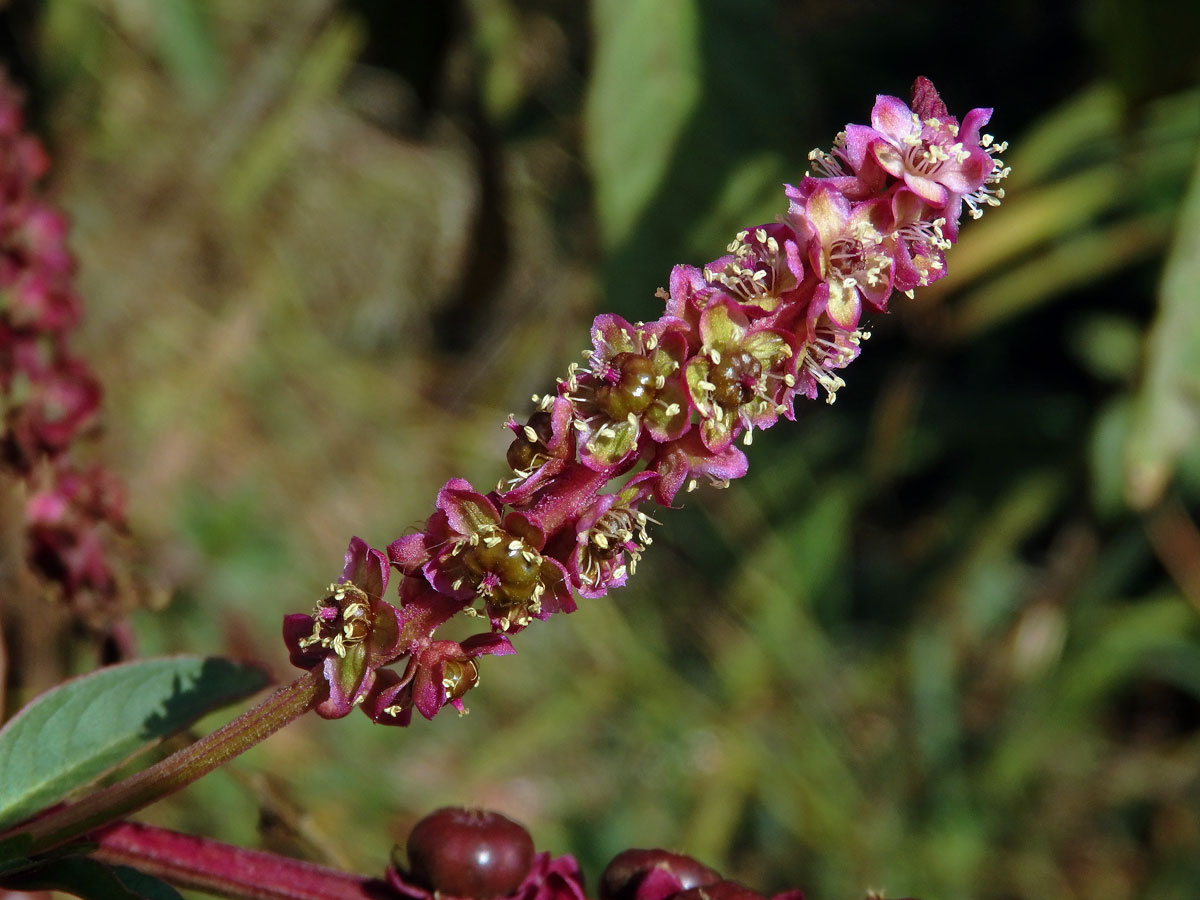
(944, 640)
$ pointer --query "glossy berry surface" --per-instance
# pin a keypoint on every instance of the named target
(734, 379)
(633, 389)
(503, 568)
(469, 853)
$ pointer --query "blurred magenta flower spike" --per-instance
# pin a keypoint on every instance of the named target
(50, 398)
(656, 407)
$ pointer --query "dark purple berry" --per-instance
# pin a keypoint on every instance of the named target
(623, 876)
(469, 853)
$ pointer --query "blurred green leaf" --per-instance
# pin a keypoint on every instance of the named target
(76, 732)
(1118, 645)
(498, 42)
(645, 86)
(75, 35)
(1125, 640)
(273, 144)
(188, 47)
(750, 194)
(1166, 415)
(1108, 345)
(1106, 455)
(1065, 137)
(1074, 261)
(931, 662)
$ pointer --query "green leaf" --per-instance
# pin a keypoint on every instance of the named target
(92, 880)
(81, 729)
(644, 88)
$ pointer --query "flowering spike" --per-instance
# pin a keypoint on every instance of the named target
(655, 408)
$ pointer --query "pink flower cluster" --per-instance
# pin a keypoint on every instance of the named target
(657, 406)
(50, 397)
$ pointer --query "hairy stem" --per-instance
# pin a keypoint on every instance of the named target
(187, 861)
(176, 771)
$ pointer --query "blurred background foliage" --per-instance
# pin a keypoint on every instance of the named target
(943, 640)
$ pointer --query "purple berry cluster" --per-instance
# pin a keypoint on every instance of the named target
(457, 853)
(50, 397)
(656, 407)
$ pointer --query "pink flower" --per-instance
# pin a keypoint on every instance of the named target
(763, 266)
(468, 553)
(919, 245)
(826, 348)
(632, 385)
(544, 444)
(437, 675)
(927, 148)
(50, 398)
(738, 378)
(688, 459)
(351, 633)
(41, 300)
(62, 401)
(610, 536)
(846, 248)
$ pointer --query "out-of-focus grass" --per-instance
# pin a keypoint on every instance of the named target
(927, 645)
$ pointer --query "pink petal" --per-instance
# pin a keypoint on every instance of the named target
(827, 211)
(927, 189)
(892, 117)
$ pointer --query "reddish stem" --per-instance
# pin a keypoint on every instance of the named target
(186, 861)
(574, 488)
